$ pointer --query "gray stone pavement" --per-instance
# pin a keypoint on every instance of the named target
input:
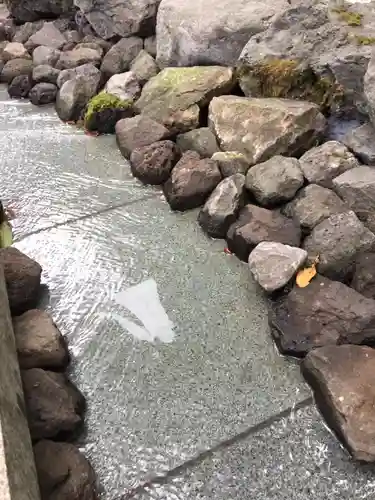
(155, 408)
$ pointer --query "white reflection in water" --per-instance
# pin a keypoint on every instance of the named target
(143, 301)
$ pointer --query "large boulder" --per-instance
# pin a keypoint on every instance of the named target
(361, 141)
(16, 67)
(74, 95)
(262, 128)
(323, 313)
(201, 140)
(341, 378)
(153, 164)
(363, 279)
(222, 207)
(111, 18)
(120, 56)
(337, 241)
(174, 96)
(201, 32)
(48, 36)
(31, 10)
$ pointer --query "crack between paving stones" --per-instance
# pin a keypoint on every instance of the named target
(195, 461)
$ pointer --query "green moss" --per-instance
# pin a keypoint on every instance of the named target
(348, 17)
(104, 101)
(364, 40)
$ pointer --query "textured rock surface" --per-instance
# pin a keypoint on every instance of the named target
(45, 74)
(341, 377)
(201, 140)
(120, 56)
(273, 264)
(31, 10)
(43, 93)
(361, 141)
(124, 85)
(369, 88)
(231, 162)
(74, 95)
(14, 50)
(15, 67)
(364, 274)
(48, 36)
(222, 207)
(262, 128)
(323, 313)
(20, 86)
(144, 67)
(87, 71)
(153, 164)
(77, 57)
(45, 55)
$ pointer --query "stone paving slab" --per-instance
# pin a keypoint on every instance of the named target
(296, 458)
(152, 406)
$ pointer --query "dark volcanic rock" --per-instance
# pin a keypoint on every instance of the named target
(364, 274)
(22, 276)
(54, 406)
(20, 86)
(31, 10)
(63, 472)
(153, 164)
(43, 93)
(201, 140)
(231, 162)
(361, 141)
(256, 224)
(342, 381)
(222, 207)
(323, 313)
(39, 342)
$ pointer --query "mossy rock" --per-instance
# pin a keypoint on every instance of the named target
(104, 110)
(288, 79)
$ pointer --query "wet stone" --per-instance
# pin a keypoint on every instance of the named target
(16, 67)
(231, 162)
(201, 140)
(20, 86)
(361, 141)
(323, 313)
(45, 73)
(222, 207)
(363, 279)
(153, 164)
(342, 381)
(43, 93)
(256, 224)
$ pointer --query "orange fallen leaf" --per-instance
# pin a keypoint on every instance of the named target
(306, 275)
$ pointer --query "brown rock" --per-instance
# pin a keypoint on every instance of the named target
(22, 276)
(54, 405)
(63, 472)
(39, 342)
(153, 164)
(342, 380)
(256, 224)
(323, 313)
(16, 67)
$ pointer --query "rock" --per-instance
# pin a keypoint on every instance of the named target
(361, 142)
(14, 50)
(202, 32)
(15, 67)
(137, 132)
(323, 163)
(273, 264)
(341, 378)
(201, 140)
(174, 95)
(45, 73)
(88, 71)
(222, 207)
(110, 18)
(39, 342)
(144, 67)
(54, 406)
(338, 240)
(120, 56)
(124, 85)
(22, 276)
(31, 10)
(104, 111)
(256, 224)
(323, 313)
(25, 31)
(74, 95)
(20, 86)
(48, 36)
(231, 162)
(45, 55)
(153, 164)
(274, 181)
(312, 205)
(369, 88)
(104, 44)
(364, 274)
(262, 128)
(7, 29)
(77, 57)
(63, 472)
(150, 45)
(90, 45)
(72, 36)
(43, 93)
(192, 180)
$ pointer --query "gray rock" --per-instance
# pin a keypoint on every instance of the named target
(77, 57)
(7, 29)
(256, 224)
(14, 50)
(74, 95)
(48, 36)
(24, 32)
(174, 95)
(222, 207)
(72, 36)
(45, 73)
(341, 378)
(369, 88)
(137, 132)
(201, 32)
(231, 162)
(144, 67)
(31, 10)
(111, 18)
(323, 163)
(86, 71)
(15, 67)
(120, 56)
(273, 264)
(43, 93)
(20, 87)
(90, 45)
(262, 128)
(323, 313)
(124, 85)
(274, 181)
(153, 164)
(201, 140)
(312, 205)
(150, 45)
(45, 55)
(363, 279)
(361, 142)
(191, 182)
(337, 241)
